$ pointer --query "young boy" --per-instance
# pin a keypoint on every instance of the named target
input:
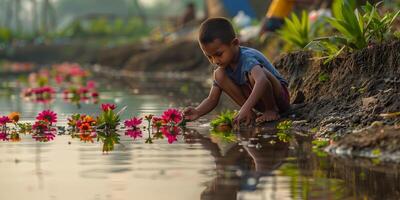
(243, 73)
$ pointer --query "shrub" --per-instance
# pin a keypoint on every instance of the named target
(296, 31)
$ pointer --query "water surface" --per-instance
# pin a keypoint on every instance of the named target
(252, 164)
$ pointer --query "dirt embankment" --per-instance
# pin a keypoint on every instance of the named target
(351, 91)
(355, 98)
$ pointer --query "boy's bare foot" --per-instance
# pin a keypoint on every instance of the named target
(267, 116)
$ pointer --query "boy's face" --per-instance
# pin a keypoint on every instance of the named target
(219, 53)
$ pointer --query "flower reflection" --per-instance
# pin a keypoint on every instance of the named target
(135, 133)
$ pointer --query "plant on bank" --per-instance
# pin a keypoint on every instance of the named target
(357, 30)
(378, 27)
(296, 31)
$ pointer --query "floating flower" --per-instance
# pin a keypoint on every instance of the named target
(171, 133)
(83, 90)
(136, 133)
(85, 127)
(172, 115)
(88, 119)
(134, 122)
(157, 122)
(40, 126)
(49, 135)
(14, 117)
(59, 79)
(3, 136)
(107, 107)
(172, 138)
(91, 84)
(149, 117)
(4, 120)
(95, 94)
(86, 137)
(48, 89)
(47, 115)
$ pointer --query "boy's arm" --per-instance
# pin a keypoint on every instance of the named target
(209, 103)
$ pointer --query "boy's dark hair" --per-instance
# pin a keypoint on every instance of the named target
(216, 28)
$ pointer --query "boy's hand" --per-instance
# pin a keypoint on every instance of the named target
(190, 114)
(244, 115)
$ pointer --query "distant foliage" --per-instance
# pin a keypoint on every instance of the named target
(102, 27)
(357, 29)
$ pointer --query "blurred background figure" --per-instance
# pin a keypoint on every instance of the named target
(189, 15)
(277, 11)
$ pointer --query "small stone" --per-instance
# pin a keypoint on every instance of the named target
(369, 101)
(356, 119)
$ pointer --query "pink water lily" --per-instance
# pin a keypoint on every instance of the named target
(133, 122)
(107, 107)
(172, 115)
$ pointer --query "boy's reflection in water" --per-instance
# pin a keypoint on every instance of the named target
(240, 164)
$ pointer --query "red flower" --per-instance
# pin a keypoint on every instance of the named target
(172, 138)
(134, 133)
(171, 132)
(59, 79)
(86, 137)
(83, 90)
(85, 127)
(47, 89)
(95, 94)
(40, 126)
(47, 115)
(134, 122)
(107, 107)
(91, 84)
(172, 115)
(4, 120)
(157, 122)
(3, 136)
